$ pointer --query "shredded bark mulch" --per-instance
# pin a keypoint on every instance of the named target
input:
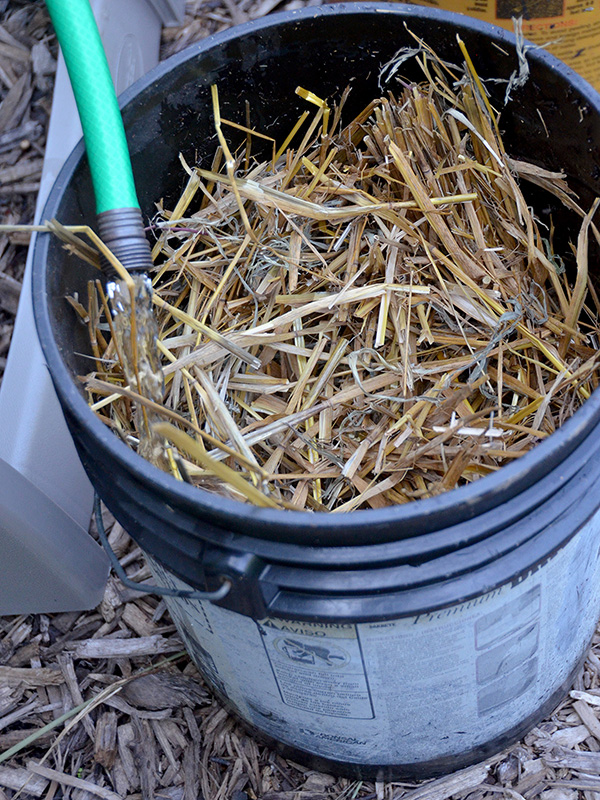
(106, 703)
(27, 65)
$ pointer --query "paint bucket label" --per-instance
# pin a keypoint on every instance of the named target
(407, 690)
(569, 29)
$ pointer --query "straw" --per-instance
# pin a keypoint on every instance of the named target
(370, 315)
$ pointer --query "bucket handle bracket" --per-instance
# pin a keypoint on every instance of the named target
(249, 594)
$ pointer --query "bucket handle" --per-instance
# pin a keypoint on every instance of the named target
(162, 591)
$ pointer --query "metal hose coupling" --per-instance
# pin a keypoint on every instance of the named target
(122, 230)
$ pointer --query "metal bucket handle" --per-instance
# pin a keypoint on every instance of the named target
(145, 588)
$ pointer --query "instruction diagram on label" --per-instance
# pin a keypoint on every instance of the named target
(318, 667)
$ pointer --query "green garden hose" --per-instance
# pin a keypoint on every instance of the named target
(119, 216)
(118, 212)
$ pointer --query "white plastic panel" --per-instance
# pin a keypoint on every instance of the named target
(34, 439)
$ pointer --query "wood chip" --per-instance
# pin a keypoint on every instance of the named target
(163, 690)
(144, 756)
(69, 780)
(22, 779)
(117, 648)
(15, 103)
(457, 783)
(125, 741)
(16, 676)
(105, 744)
(572, 759)
(588, 717)
(25, 169)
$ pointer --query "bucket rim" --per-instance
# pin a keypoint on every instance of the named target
(371, 8)
(361, 526)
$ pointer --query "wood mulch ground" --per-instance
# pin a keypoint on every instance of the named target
(148, 727)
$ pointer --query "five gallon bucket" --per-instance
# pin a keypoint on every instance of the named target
(403, 641)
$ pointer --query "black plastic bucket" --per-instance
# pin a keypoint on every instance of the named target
(405, 641)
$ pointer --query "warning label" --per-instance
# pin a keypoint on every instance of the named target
(408, 689)
(323, 677)
(570, 29)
